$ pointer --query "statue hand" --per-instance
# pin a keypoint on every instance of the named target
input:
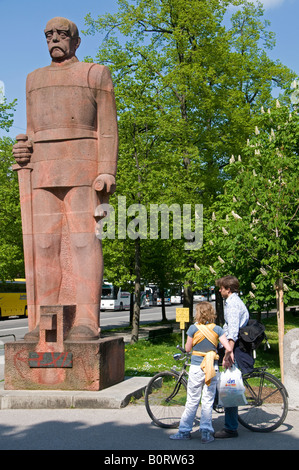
(105, 183)
(22, 150)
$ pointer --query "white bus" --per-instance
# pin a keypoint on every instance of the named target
(176, 295)
(113, 298)
(207, 294)
(167, 297)
(153, 295)
(145, 300)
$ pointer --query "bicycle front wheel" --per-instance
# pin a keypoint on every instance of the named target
(267, 402)
(165, 398)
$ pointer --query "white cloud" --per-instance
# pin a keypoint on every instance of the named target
(271, 3)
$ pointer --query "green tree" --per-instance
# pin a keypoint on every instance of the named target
(204, 79)
(186, 89)
(11, 245)
(6, 114)
(253, 231)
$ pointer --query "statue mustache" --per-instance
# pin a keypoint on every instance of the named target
(56, 47)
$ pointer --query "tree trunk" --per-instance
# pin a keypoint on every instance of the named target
(280, 323)
(163, 306)
(136, 308)
(188, 300)
(219, 308)
(131, 308)
(259, 316)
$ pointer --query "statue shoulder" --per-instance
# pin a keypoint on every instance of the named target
(100, 77)
(39, 70)
(33, 76)
(35, 72)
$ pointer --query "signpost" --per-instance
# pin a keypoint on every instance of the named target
(182, 316)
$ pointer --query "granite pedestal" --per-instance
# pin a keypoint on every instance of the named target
(56, 363)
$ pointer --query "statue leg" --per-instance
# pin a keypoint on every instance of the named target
(47, 222)
(87, 262)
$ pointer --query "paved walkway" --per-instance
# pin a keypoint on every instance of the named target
(127, 430)
(108, 421)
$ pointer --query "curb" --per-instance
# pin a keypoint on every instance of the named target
(115, 397)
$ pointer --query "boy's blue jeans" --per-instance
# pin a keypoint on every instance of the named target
(231, 418)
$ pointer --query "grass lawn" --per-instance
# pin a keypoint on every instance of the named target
(146, 358)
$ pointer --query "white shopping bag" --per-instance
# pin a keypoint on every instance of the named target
(231, 388)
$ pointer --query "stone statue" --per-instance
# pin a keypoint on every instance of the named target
(70, 150)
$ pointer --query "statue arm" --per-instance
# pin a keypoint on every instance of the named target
(29, 130)
(107, 128)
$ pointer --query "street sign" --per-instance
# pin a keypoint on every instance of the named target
(182, 316)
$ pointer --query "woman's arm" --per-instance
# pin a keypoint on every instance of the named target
(188, 345)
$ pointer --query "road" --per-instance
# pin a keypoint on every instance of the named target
(114, 319)
(19, 326)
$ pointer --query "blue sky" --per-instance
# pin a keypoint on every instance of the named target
(23, 47)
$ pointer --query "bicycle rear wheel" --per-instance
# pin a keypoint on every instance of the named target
(267, 402)
(165, 398)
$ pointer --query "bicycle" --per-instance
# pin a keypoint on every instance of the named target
(267, 398)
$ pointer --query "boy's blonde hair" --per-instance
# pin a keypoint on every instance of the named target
(204, 313)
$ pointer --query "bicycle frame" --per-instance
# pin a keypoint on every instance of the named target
(261, 414)
(255, 397)
(177, 386)
(258, 399)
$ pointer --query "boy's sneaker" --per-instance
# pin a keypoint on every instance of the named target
(180, 435)
(206, 437)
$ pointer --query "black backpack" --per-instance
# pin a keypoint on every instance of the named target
(251, 336)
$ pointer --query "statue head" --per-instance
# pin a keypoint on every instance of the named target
(62, 38)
